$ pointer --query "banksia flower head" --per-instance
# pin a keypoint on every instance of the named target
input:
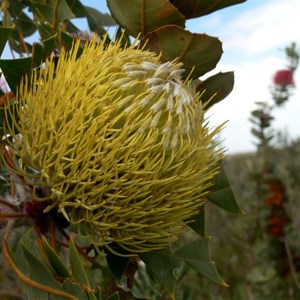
(117, 142)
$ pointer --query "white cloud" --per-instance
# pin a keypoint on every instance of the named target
(264, 27)
(251, 40)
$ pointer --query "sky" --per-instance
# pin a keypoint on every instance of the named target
(254, 35)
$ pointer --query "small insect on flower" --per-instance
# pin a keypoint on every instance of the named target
(119, 140)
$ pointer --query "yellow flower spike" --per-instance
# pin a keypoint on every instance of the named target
(119, 140)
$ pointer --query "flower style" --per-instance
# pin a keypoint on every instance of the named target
(117, 142)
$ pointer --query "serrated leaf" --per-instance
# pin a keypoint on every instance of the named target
(144, 16)
(4, 35)
(215, 88)
(197, 255)
(39, 272)
(74, 289)
(14, 70)
(25, 25)
(196, 8)
(96, 19)
(55, 260)
(114, 296)
(77, 8)
(117, 264)
(38, 55)
(197, 222)
(20, 259)
(222, 195)
(19, 47)
(162, 266)
(208, 270)
(174, 42)
(77, 268)
(52, 14)
(49, 44)
(187, 292)
(23, 265)
(66, 40)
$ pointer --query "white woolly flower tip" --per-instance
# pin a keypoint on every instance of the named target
(171, 100)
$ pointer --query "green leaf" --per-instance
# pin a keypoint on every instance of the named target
(144, 16)
(24, 24)
(114, 296)
(196, 8)
(162, 265)
(174, 42)
(197, 255)
(257, 133)
(14, 70)
(22, 239)
(77, 8)
(222, 194)
(117, 264)
(20, 259)
(4, 177)
(66, 40)
(40, 274)
(49, 45)
(187, 292)
(76, 265)
(17, 46)
(98, 294)
(53, 11)
(40, 51)
(4, 35)
(55, 260)
(74, 289)
(97, 20)
(197, 222)
(216, 88)
(38, 55)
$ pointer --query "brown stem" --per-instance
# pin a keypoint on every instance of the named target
(12, 215)
(4, 99)
(10, 205)
(55, 10)
(25, 278)
(291, 264)
(52, 235)
(13, 185)
(22, 41)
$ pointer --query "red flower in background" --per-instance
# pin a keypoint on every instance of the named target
(275, 193)
(276, 226)
(283, 77)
